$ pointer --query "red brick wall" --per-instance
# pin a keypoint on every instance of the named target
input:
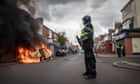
(128, 46)
(108, 47)
(45, 32)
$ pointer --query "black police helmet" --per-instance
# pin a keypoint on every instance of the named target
(87, 19)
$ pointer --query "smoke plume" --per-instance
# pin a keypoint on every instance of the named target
(17, 27)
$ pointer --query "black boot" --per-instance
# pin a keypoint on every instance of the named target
(85, 74)
(91, 76)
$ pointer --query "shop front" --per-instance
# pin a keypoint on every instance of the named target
(130, 39)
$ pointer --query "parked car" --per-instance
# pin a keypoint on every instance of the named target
(61, 52)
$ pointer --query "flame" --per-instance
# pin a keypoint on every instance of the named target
(26, 57)
(46, 50)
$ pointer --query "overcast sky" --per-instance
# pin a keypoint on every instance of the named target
(65, 15)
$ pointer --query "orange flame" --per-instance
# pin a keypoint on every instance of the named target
(46, 50)
(26, 57)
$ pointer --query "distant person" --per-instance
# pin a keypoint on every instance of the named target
(96, 52)
(86, 41)
(119, 50)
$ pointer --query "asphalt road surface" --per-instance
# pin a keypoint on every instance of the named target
(67, 70)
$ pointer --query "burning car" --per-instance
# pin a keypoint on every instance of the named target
(31, 55)
(19, 32)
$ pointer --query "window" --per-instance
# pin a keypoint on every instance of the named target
(129, 24)
(126, 25)
(128, 10)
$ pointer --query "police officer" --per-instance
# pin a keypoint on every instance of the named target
(119, 50)
(86, 39)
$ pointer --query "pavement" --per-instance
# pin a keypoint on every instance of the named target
(68, 70)
(8, 64)
(128, 62)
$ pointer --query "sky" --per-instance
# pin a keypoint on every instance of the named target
(66, 15)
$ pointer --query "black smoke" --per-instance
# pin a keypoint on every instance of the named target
(29, 4)
(17, 27)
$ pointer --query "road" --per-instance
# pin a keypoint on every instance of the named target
(67, 70)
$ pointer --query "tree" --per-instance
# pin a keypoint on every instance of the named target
(62, 38)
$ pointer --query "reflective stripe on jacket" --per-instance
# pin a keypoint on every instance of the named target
(84, 33)
(118, 46)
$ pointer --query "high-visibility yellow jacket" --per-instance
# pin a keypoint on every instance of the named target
(86, 36)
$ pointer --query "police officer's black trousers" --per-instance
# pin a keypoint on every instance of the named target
(123, 52)
(119, 52)
(90, 61)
